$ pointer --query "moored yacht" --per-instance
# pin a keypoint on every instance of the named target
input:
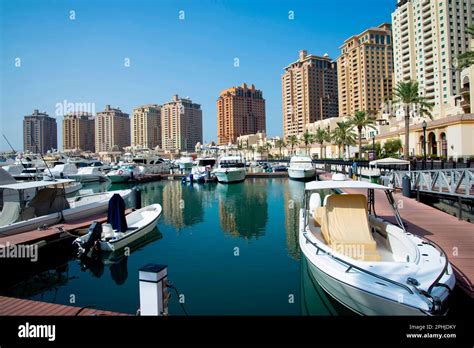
(185, 163)
(301, 168)
(368, 264)
(88, 174)
(202, 169)
(124, 173)
(48, 206)
(230, 169)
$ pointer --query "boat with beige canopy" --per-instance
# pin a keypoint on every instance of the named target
(368, 264)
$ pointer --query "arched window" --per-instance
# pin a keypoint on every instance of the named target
(421, 143)
(444, 145)
(432, 145)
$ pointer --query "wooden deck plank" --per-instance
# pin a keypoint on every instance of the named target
(454, 236)
(33, 236)
(17, 307)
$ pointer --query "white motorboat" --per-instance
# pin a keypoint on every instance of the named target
(201, 171)
(88, 174)
(301, 168)
(124, 173)
(139, 223)
(230, 169)
(371, 266)
(152, 164)
(49, 206)
(23, 173)
(62, 171)
(185, 163)
(6, 178)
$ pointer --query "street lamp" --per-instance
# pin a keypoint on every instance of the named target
(424, 125)
(373, 145)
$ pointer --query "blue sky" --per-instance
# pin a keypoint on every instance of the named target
(82, 60)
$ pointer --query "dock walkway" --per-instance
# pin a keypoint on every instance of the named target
(19, 307)
(454, 236)
(53, 232)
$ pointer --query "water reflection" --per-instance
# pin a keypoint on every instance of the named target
(243, 208)
(117, 260)
(183, 204)
(293, 201)
(26, 279)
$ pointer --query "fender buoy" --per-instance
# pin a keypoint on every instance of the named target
(120, 171)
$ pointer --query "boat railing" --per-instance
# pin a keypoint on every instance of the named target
(351, 266)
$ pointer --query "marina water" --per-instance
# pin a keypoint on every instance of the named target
(230, 250)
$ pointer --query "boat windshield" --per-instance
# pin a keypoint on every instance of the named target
(207, 162)
(231, 164)
(301, 164)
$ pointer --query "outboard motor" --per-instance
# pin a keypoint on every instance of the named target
(95, 233)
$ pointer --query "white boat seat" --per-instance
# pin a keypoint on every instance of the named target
(107, 231)
(345, 227)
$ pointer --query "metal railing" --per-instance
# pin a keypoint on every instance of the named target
(453, 182)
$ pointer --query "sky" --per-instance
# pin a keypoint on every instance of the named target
(127, 53)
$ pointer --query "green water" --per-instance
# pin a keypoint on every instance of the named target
(230, 250)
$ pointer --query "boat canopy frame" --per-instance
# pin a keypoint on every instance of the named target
(313, 186)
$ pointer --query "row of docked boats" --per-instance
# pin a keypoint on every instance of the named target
(233, 169)
(35, 205)
(86, 170)
(31, 205)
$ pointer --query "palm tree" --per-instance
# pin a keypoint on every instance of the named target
(268, 146)
(406, 93)
(466, 59)
(293, 141)
(307, 138)
(280, 143)
(361, 121)
(320, 137)
(343, 136)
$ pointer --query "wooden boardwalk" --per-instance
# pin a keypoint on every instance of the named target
(53, 232)
(454, 236)
(10, 306)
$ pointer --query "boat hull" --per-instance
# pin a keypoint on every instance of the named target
(230, 176)
(372, 294)
(119, 178)
(359, 301)
(83, 178)
(301, 174)
(123, 242)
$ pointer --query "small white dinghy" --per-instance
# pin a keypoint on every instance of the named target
(139, 223)
(371, 266)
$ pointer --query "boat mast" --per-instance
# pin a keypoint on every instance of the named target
(41, 155)
(21, 161)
